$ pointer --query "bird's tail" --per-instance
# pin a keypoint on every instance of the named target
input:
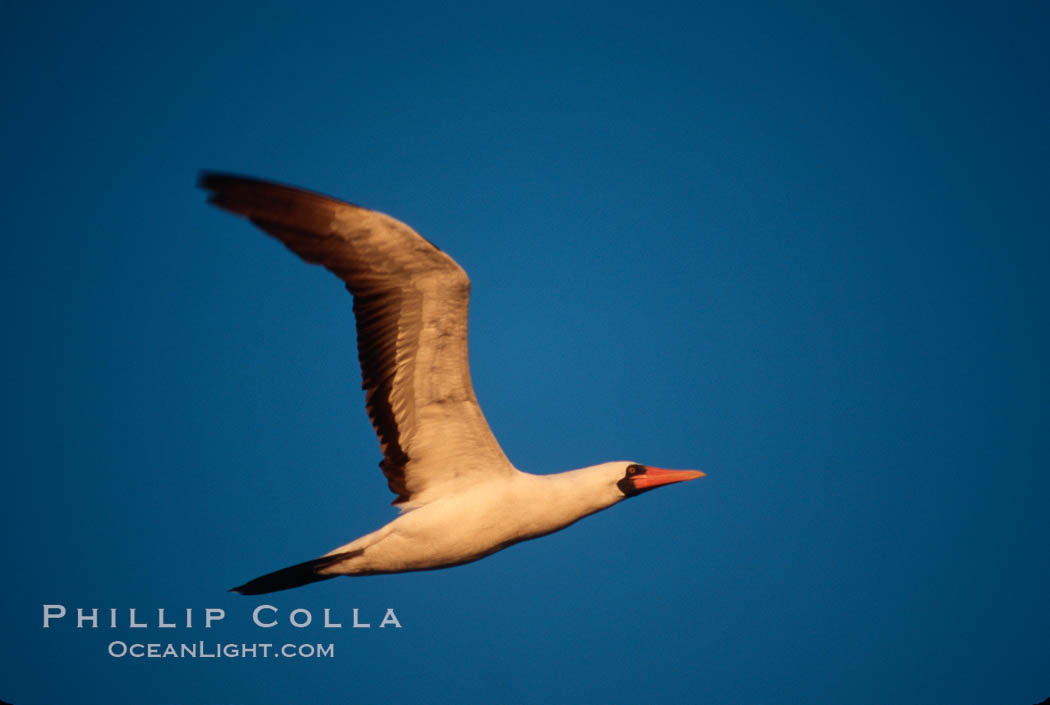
(294, 576)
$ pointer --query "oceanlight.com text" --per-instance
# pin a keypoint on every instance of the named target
(204, 649)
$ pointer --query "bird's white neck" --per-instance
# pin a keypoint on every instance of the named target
(557, 500)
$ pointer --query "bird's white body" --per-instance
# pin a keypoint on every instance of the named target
(489, 516)
(461, 498)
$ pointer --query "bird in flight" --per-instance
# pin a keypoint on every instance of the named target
(460, 497)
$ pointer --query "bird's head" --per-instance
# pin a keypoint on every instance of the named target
(594, 488)
(635, 478)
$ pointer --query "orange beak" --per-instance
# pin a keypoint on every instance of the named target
(655, 477)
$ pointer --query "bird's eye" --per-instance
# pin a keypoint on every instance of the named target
(634, 470)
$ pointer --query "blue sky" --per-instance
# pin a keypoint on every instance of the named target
(803, 249)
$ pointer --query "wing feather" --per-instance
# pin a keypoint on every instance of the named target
(410, 305)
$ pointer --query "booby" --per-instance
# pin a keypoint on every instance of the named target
(461, 499)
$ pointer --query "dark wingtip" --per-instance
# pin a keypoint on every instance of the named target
(223, 185)
(292, 576)
(203, 176)
(218, 185)
(211, 180)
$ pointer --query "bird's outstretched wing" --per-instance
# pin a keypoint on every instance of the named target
(410, 302)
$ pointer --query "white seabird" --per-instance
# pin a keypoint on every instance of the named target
(461, 499)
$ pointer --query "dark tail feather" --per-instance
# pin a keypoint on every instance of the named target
(293, 576)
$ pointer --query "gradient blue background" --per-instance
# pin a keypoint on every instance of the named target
(802, 249)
